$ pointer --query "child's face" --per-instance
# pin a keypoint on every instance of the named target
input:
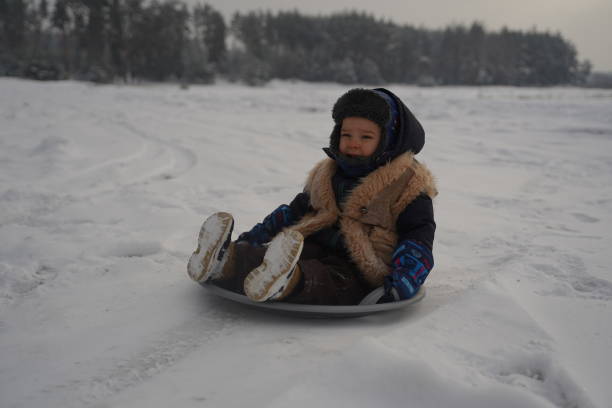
(359, 137)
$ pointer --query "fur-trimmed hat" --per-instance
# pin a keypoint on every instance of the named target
(363, 103)
(400, 129)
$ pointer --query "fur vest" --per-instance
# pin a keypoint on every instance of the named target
(368, 216)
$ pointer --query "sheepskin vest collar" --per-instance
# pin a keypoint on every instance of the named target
(369, 213)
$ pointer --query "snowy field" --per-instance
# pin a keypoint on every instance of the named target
(103, 191)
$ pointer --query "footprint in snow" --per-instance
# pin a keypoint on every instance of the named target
(585, 218)
(134, 249)
(540, 374)
(576, 282)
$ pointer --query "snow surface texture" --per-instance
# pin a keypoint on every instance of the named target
(103, 191)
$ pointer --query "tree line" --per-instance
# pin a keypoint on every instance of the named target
(131, 40)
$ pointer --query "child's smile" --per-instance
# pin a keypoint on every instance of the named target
(359, 137)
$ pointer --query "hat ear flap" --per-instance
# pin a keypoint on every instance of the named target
(334, 138)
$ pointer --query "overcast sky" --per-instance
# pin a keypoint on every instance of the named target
(586, 23)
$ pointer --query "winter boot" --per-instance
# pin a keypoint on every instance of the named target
(214, 248)
(279, 273)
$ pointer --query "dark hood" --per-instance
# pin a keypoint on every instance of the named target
(409, 134)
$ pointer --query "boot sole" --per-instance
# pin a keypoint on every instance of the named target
(213, 240)
(276, 277)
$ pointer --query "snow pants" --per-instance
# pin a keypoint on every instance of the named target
(327, 279)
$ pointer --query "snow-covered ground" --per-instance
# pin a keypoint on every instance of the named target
(103, 191)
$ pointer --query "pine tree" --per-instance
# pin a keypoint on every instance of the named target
(211, 32)
(61, 21)
(14, 14)
(43, 9)
(117, 40)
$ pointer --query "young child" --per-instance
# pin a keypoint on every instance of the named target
(364, 220)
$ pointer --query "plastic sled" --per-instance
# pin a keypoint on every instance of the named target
(366, 307)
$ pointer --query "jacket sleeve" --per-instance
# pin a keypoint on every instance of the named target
(413, 258)
(416, 223)
(284, 216)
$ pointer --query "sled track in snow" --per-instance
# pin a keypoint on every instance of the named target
(183, 159)
(156, 356)
(155, 160)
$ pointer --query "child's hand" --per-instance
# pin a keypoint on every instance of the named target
(399, 286)
(412, 263)
(249, 238)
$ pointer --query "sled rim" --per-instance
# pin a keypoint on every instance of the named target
(315, 310)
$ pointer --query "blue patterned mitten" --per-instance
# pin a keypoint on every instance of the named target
(411, 262)
(264, 231)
